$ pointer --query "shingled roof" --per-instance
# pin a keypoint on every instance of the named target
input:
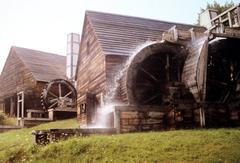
(120, 35)
(44, 66)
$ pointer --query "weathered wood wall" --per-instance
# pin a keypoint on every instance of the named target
(132, 118)
(16, 77)
(91, 73)
(114, 71)
(145, 118)
(33, 96)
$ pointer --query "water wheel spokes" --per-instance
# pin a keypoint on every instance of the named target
(69, 93)
(59, 94)
(151, 98)
(50, 93)
(52, 105)
(60, 90)
(218, 82)
(149, 74)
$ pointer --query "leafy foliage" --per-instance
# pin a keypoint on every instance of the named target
(2, 117)
(6, 120)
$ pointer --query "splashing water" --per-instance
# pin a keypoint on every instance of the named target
(103, 115)
(109, 98)
(105, 111)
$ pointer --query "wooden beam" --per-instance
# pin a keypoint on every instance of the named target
(225, 12)
(12, 106)
(230, 20)
(226, 35)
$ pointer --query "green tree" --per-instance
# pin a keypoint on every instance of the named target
(216, 6)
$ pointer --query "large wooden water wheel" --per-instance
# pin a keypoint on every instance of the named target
(223, 71)
(153, 76)
(60, 94)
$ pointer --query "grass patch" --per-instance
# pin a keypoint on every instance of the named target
(15, 140)
(213, 145)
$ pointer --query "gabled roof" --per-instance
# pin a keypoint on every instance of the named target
(121, 35)
(43, 66)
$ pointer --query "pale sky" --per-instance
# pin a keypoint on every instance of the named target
(44, 24)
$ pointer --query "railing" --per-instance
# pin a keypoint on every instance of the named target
(229, 18)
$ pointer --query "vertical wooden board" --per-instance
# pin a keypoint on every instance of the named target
(193, 72)
(91, 70)
(202, 70)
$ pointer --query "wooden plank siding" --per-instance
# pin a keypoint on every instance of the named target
(91, 74)
(195, 68)
(15, 77)
(114, 66)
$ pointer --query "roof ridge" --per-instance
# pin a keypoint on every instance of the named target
(43, 66)
(121, 34)
(39, 51)
(141, 18)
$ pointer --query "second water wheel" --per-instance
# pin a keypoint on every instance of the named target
(59, 94)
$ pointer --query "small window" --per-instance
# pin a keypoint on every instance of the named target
(88, 47)
(83, 108)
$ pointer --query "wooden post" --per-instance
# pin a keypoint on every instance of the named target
(20, 104)
(229, 19)
(101, 99)
(202, 116)
(51, 114)
(18, 107)
(193, 36)
(204, 121)
(117, 121)
(12, 106)
(4, 107)
(167, 68)
(22, 94)
(238, 16)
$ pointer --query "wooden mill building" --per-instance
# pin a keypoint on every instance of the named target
(159, 74)
(108, 40)
(28, 70)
